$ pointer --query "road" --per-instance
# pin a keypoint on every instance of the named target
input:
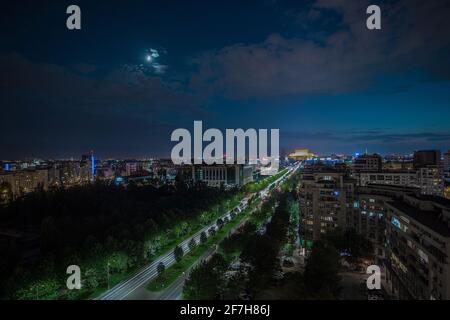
(122, 290)
(175, 290)
(148, 273)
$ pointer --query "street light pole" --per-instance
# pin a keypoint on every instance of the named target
(107, 270)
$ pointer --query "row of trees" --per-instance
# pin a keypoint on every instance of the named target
(258, 259)
(262, 252)
(105, 229)
(319, 281)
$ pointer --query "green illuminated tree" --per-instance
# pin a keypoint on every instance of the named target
(178, 253)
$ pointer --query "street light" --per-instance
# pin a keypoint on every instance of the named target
(107, 271)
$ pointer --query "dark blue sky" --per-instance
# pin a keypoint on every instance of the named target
(309, 68)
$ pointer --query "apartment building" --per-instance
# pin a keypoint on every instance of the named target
(429, 179)
(22, 182)
(367, 163)
(370, 213)
(326, 202)
(418, 247)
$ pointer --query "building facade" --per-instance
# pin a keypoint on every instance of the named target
(446, 164)
(367, 163)
(326, 199)
(418, 247)
(429, 179)
(223, 175)
(22, 182)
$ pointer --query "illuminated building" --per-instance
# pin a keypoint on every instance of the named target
(301, 154)
(446, 163)
(367, 163)
(326, 198)
(411, 236)
(88, 161)
(447, 192)
(370, 213)
(70, 173)
(25, 181)
(226, 175)
(395, 178)
(132, 168)
(431, 180)
(398, 165)
(418, 247)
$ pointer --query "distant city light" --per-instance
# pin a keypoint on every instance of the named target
(92, 166)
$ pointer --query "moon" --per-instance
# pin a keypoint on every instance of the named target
(149, 58)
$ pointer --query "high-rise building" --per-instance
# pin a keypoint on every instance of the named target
(446, 163)
(326, 197)
(411, 235)
(423, 158)
(88, 161)
(418, 247)
(367, 163)
(370, 213)
(431, 180)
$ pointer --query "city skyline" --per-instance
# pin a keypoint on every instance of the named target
(215, 151)
(134, 73)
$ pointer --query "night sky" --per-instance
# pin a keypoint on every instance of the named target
(310, 68)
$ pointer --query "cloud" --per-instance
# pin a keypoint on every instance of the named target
(345, 59)
(49, 107)
(126, 90)
(379, 135)
(398, 137)
(375, 141)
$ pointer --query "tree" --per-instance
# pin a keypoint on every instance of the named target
(206, 279)
(203, 237)
(87, 222)
(212, 231)
(178, 253)
(161, 268)
(321, 271)
(192, 244)
(219, 223)
(352, 243)
(118, 262)
(262, 253)
(90, 280)
(45, 289)
(6, 194)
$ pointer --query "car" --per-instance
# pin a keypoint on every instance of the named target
(375, 295)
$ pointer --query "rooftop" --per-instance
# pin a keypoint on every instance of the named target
(430, 219)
